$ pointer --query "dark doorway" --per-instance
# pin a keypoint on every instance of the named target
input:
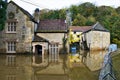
(38, 54)
(38, 49)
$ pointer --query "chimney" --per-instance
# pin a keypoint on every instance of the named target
(37, 14)
(68, 18)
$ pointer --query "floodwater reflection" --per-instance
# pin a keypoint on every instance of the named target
(20, 67)
(29, 67)
(93, 59)
(14, 67)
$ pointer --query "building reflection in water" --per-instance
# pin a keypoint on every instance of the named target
(93, 59)
(27, 67)
(11, 77)
(11, 60)
(15, 67)
(20, 67)
(49, 70)
(11, 63)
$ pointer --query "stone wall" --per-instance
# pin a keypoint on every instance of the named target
(22, 45)
(98, 40)
(54, 37)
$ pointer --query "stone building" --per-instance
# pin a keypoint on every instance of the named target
(25, 33)
(96, 38)
(49, 37)
(17, 34)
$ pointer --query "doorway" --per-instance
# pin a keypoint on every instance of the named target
(38, 54)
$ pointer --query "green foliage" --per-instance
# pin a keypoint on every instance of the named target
(52, 14)
(3, 6)
(118, 10)
(90, 20)
(116, 41)
(86, 9)
(79, 20)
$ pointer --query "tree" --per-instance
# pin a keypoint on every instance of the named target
(62, 13)
(79, 20)
(90, 21)
(3, 6)
(118, 10)
(74, 10)
(86, 9)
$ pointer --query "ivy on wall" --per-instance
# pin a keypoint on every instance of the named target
(3, 6)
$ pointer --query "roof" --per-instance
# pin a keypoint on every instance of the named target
(39, 39)
(53, 25)
(80, 28)
(84, 29)
(99, 27)
(24, 11)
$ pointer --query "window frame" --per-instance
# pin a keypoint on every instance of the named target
(11, 27)
(11, 47)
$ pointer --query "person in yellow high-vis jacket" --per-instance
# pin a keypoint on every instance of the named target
(73, 37)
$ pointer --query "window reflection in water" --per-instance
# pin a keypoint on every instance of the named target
(11, 77)
(11, 60)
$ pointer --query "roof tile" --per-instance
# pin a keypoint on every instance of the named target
(52, 25)
(80, 28)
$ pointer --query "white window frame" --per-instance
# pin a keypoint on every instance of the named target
(11, 47)
(11, 27)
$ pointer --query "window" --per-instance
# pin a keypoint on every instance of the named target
(11, 27)
(23, 32)
(11, 47)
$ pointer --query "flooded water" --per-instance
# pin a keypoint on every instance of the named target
(29, 67)
(93, 59)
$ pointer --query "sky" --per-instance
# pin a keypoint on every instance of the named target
(31, 5)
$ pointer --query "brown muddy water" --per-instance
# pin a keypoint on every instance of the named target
(30, 67)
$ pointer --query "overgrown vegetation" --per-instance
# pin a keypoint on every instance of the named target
(3, 6)
(116, 65)
(87, 14)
